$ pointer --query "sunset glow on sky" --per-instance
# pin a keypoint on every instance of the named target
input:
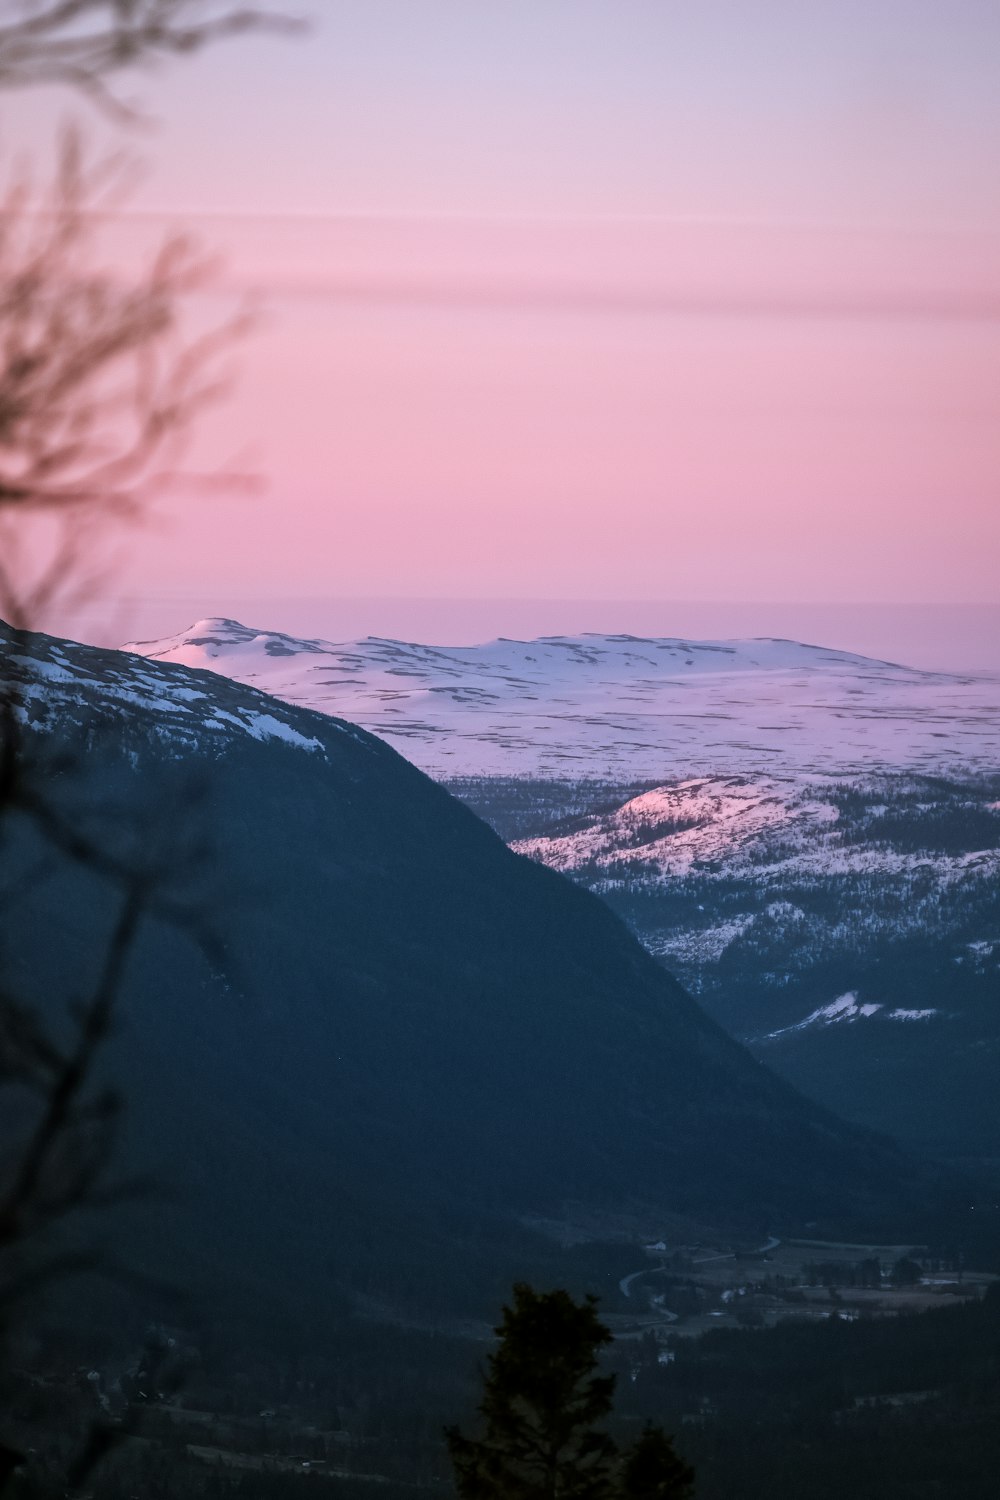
(637, 300)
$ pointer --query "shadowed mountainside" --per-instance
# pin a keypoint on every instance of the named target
(414, 1039)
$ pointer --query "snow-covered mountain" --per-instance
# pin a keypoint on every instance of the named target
(809, 839)
(671, 830)
(773, 831)
(616, 707)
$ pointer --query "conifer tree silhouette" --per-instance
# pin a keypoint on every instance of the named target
(653, 1470)
(542, 1406)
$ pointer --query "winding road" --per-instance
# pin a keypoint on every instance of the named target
(656, 1303)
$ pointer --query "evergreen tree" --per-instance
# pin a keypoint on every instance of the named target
(542, 1405)
(652, 1470)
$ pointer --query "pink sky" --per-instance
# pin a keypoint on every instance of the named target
(577, 300)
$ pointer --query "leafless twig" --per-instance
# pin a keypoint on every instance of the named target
(81, 44)
(99, 383)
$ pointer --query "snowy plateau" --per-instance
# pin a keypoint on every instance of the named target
(616, 708)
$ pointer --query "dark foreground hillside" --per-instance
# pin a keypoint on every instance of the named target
(410, 1043)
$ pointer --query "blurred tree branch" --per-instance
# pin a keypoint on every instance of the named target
(101, 383)
(81, 44)
(99, 387)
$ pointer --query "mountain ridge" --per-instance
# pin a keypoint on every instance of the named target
(615, 707)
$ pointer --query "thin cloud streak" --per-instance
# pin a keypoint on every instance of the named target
(604, 268)
(350, 219)
(623, 301)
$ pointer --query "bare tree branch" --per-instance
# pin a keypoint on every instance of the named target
(99, 385)
(80, 44)
(101, 381)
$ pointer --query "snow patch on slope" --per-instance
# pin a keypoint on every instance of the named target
(846, 1009)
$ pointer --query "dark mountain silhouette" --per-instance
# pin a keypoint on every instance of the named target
(412, 1042)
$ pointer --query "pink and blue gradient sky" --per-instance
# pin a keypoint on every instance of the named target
(629, 300)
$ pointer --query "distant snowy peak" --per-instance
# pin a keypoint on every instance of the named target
(546, 658)
(615, 707)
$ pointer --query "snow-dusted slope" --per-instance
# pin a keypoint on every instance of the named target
(741, 847)
(616, 707)
(61, 685)
(671, 830)
(766, 828)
